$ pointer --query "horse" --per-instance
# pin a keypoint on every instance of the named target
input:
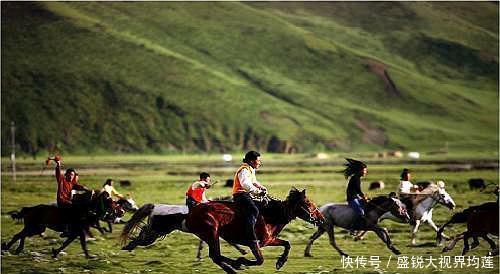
(481, 220)
(38, 218)
(480, 223)
(127, 204)
(212, 220)
(344, 216)
(423, 205)
(156, 214)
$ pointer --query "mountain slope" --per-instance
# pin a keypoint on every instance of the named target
(160, 76)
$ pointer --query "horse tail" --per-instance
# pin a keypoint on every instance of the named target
(460, 217)
(17, 215)
(134, 222)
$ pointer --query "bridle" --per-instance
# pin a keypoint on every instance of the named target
(312, 219)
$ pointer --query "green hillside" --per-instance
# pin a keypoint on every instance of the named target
(278, 76)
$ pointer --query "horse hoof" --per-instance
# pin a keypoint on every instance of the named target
(280, 263)
(307, 255)
(4, 246)
(397, 252)
(54, 253)
(90, 257)
(344, 255)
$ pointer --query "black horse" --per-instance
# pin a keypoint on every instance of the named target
(38, 218)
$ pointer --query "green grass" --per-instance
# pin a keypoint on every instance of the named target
(187, 77)
(164, 179)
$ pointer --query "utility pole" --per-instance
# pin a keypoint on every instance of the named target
(13, 154)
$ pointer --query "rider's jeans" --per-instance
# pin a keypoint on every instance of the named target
(250, 213)
(357, 205)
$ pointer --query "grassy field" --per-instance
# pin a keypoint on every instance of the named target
(163, 179)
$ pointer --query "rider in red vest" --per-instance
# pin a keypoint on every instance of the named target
(196, 192)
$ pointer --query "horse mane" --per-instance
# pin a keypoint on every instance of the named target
(430, 189)
(378, 200)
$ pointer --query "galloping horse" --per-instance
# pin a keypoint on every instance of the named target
(163, 219)
(344, 216)
(424, 203)
(212, 220)
(481, 220)
(39, 217)
(127, 204)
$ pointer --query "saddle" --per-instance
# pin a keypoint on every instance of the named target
(163, 209)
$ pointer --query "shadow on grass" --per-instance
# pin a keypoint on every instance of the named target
(427, 244)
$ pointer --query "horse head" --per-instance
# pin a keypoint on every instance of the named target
(442, 197)
(303, 208)
(390, 204)
(128, 204)
(105, 207)
(437, 192)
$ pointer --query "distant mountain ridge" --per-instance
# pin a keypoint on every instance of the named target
(274, 76)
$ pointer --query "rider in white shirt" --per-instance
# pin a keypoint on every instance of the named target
(405, 192)
(405, 186)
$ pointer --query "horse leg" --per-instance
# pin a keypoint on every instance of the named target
(414, 232)
(493, 246)
(6, 246)
(284, 256)
(110, 227)
(216, 256)
(452, 244)
(239, 248)
(475, 242)
(70, 239)
(316, 235)
(360, 235)
(28, 231)
(21, 244)
(200, 247)
(466, 243)
(434, 226)
(83, 243)
(331, 234)
(384, 236)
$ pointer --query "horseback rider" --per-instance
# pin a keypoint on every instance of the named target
(195, 194)
(406, 192)
(245, 185)
(405, 186)
(65, 185)
(355, 197)
(110, 189)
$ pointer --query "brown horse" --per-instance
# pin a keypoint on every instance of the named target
(38, 218)
(212, 220)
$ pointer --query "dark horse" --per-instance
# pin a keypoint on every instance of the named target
(127, 204)
(344, 216)
(221, 219)
(481, 220)
(38, 218)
